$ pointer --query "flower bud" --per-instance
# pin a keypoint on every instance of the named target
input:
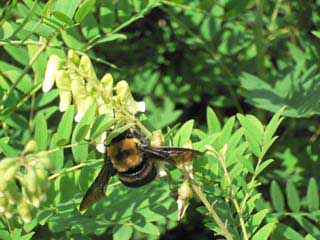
(185, 191)
(126, 98)
(101, 146)
(87, 68)
(107, 83)
(31, 147)
(8, 214)
(31, 180)
(73, 58)
(157, 138)
(52, 67)
(35, 201)
(41, 173)
(9, 174)
(82, 107)
(44, 160)
(64, 87)
(24, 210)
(3, 202)
(6, 163)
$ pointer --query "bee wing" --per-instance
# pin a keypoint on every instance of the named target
(173, 155)
(98, 188)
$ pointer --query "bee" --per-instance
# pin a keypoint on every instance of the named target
(134, 161)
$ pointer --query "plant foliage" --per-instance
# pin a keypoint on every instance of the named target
(215, 76)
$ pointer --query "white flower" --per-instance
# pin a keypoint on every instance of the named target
(50, 74)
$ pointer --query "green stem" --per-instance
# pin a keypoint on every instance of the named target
(25, 70)
(144, 130)
(72, 169)
(204, 200)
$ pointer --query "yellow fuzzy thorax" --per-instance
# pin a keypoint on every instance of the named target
(130, 160)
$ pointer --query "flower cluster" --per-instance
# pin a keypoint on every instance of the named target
(77, 82)
(24, 182)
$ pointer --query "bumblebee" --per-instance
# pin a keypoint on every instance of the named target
(131, 157)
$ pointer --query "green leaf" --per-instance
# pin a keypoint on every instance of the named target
(82, 132)
(44, 99)
(17, 235)
(102, 124)
(184, 133)
(5, 235)
(252, 125)
(272, 126)
(246, 162)
(18, 54)
(57, 156)
(250, 135)
(124, 232)
(62, 17)
(6, 30)
(307, 225)
(67, 8)
(316, 33)
(86, 120)
(84, 9)
(292, 197)
(8, 150)
(148, 228)
(283, 231)
(65, 127)
(257, 218)
(264, 232)
(277, 197)
(213, 122)
(227, 131)
(72, 38)
(80, 151)
(313, 195)
(293, 90)
(263, 165)
(41, 132)
(117, 132)
(309, 237)
(110, 38)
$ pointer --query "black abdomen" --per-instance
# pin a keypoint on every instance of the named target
(140, 175)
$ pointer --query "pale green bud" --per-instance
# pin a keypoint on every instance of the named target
(82, 107)
(6, 163)
(24, 210)
(126, 98)
(185, 191)
(78, 88)
(31, 147)
(157, 138)
(8, 214)
(41, 173)
(107, 83)
(31, 180)
(73, 58)
(44, 160)
(64, 87)
(52, 67)
(87, 68)
(35, 201)
(3, 203)
(10, 173)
